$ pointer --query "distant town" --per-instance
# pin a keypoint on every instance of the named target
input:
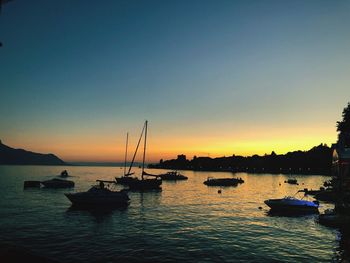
(317, 160)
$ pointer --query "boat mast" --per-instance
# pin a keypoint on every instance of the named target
(126, 152)
(144, 150)
(137, 147)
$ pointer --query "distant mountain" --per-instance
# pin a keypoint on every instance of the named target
(13, 156)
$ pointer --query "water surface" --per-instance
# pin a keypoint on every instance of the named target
(187, 221)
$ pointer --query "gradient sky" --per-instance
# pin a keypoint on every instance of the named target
(212, 77)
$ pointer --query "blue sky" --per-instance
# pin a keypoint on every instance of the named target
(210, 76)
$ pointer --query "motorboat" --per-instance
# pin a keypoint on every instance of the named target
(173, 175)
(292, 204)
(223, 181)
(98, 196)
(291, 181)
(57, 183)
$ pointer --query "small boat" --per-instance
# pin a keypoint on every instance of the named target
(223, 181)
(292, 204)
(312, 192)
(328, 195)
(64, 173)
(332, 219)
(98, 196)
(57, 183)
(174, 175)
(291, 181)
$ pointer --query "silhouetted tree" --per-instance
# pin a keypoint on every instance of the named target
(343, 127)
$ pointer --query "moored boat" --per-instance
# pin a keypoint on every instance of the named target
(223, 181)
(332, 219)
(173, 175)
(99, 196)
(328, 195)
(291, 181)
(291, 204)
(143, 183)
(310, 192)
(57, 183)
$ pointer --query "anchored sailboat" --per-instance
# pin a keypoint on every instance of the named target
(143, 184)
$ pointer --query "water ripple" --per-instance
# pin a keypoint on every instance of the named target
(187, 221)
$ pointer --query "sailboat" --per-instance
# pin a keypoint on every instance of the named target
(126, 178)
(143, 184)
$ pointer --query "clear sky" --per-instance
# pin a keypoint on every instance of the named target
(212, 77)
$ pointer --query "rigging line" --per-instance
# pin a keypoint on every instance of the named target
(126, 152)
(137, 147)
(144, 150)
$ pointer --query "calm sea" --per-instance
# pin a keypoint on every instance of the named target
(187, 221)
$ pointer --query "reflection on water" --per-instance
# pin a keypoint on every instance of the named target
(99, 214)
(343, 251)
(290, 214)
(186, 221)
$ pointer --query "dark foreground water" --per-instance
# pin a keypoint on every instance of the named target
(187, 221)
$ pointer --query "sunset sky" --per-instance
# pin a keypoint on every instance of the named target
(213, 78)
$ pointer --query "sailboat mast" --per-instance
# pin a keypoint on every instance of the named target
(137, 147)
(144, 150)
(126, 152)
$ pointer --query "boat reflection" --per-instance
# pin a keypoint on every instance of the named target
(342, 253)
(277, 213)
(100, 214)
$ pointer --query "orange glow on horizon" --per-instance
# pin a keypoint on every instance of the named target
(161, 146)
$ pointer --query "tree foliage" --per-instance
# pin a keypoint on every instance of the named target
(343, 127)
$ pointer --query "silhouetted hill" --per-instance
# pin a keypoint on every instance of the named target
(13, 156)
(317, 160)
